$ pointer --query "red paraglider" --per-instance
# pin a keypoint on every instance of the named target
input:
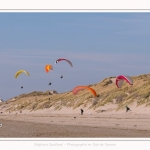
(60, 59)
(121, 78)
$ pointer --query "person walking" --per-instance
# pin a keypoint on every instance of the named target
(127, 109)
(82, 111)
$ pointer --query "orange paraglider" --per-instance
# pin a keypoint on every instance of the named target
(79, 88)
(48, 68)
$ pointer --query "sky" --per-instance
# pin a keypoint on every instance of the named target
(99, 45)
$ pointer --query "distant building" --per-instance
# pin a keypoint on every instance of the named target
(1, 100)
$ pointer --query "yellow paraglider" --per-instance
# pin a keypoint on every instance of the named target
(19, 72)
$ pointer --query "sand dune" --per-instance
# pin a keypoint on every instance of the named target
(39, 114)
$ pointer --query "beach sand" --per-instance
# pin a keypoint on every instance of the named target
(73, 125)
(16, 129)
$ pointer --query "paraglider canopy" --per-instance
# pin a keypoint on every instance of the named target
(21, 71)
(121, 78)
(79, 88)
(60, 59)
(48, 68)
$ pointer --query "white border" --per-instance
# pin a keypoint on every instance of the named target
(74, 5)
(74, 143)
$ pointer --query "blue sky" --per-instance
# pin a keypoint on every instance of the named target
(99, 45)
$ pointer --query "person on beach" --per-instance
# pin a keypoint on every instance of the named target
(82, 111)
(127, 109)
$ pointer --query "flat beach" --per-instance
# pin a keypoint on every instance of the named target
(73, 125)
